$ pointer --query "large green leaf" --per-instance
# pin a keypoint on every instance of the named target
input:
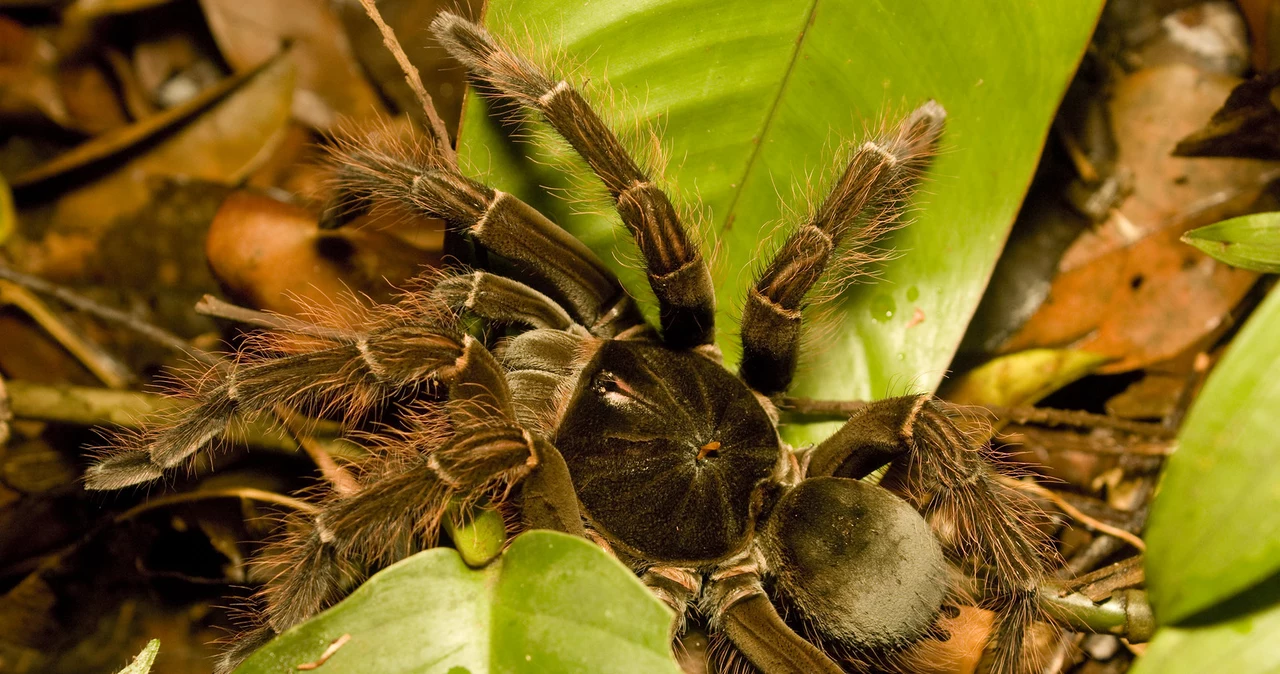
(753, 96)
(1248, 643)
(551, 603)
(1215, 524)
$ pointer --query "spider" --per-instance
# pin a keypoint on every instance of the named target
(578, 416)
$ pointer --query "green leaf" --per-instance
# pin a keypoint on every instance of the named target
(1249, 242)
(1248, 644)
(142, 661)
(1215, 523)
(752, 99)
(1023, 378)
(551, 603)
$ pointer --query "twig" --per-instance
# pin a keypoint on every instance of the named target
(342, 480)
(328, 653)
(1044, 416)
(1041, 416)
(89, 406)
(74, 299)
(1081, 517)
(103, 366)
(228, 492)
(411, 76)
(212, 306)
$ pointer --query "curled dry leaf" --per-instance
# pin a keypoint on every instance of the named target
(221, 146)
(1022, 378)
(1247, 125)
(28, 76)
(330, 84)
(273, 256)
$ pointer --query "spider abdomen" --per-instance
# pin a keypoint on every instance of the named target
(667, 450)
(859, 564)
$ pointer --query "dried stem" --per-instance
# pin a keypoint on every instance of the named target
(75, 299)
(103, 366)
(1081, 517)
(212, 306)
(1041, 416)
(411, 76)
(229, 492)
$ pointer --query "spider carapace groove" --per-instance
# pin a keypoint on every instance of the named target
(578, 416)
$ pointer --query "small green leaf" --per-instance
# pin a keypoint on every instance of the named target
(551, 603)
(1248, 242)
(478, 536)
(1215, 523)
(1023, 378)
(1249, 644)
(142, 662)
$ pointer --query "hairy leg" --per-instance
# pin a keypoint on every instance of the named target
(677, 273)
(977, 515)
(863, 205)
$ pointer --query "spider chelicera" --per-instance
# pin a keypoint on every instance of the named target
(582, 418)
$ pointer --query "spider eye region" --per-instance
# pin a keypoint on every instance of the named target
(667, 450)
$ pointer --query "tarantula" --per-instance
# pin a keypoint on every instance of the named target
(578, 416)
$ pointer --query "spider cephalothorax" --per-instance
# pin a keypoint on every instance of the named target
(582, 418)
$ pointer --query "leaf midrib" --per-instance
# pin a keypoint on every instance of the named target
(767, 122)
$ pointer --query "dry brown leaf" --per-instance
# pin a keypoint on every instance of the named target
(1140, 305)
(1130, 289)
(1247, 125)
(273, 256)
(29, 76)
(223, 145)
(330, 85)
(1151, 111)
(90, 98)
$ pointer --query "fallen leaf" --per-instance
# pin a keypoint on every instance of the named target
(1151, 110)
(110, 145)
(1022, 378)
(274, 256)
(90, 98)
(1247, 125)
(28, 76)
(330, 85)
(1139, 305)
(221, 146)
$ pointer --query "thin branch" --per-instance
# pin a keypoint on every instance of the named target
(342, 480)
(103, 365)
(212, 306)
(229, 492)
(1041, 416)
(1044, 416)
(1081, 517)
(74, 299)
(411, 76)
